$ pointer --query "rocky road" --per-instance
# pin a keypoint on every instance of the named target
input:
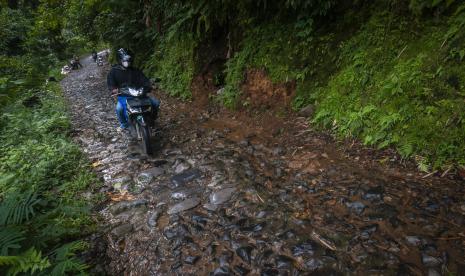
(217, 199)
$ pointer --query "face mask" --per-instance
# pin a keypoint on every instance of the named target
(125, 64)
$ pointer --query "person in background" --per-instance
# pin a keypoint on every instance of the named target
(94, 55)
(75, 64)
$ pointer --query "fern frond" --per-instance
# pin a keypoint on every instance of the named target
(9, 260)
(67, 263)
(69, 249)
(30, 262)
(10, 237)
(18, 207)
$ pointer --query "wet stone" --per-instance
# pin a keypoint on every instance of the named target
(152, 218)
(283, 262)
(227, 236)
(261, 214)
(221, 271)
(185, 177)
(126, 205)
(200, 219)
(178, 195)
(432, 207)
(430, 249)
(191, 259)
(184, 205)
(289, 234)
(430, 261)
(174, 218)
(314, 264)
(357, 207)
(413, 240)
(143, 179)
(216, 180)
(374, 194)
(153, 172)
(170, 233)
(307, 247)
(367, 231)
(122, 230)
(245, 253)
(241, 270)
(177, 253)
(225, 259)
(181, 167)
(176, 265)
(210, 207)
(158, 162)
(254, 228)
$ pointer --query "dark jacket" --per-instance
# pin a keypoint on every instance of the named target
(120, 77)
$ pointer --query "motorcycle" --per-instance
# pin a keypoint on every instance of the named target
(99, 61)
(74, 64)
(141, 116)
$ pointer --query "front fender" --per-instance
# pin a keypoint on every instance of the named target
(141, 120)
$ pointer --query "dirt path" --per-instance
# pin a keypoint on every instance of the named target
(226, 194)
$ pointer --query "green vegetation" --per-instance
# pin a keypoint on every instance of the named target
(400, 86)
(42, 176)
(43, 214)
(177, 68)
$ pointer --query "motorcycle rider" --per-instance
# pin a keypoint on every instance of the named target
(75, 63)
(94, 55)
(122, 75)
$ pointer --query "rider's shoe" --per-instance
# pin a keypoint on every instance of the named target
(123, 130)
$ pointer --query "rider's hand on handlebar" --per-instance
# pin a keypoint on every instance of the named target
(114, 92)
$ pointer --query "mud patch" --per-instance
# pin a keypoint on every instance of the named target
(259, 90)
(202, 88)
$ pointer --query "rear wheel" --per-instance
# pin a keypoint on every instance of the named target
(145, 141)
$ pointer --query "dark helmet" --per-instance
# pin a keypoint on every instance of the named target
(124, 57)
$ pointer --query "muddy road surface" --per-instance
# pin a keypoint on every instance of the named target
(233, 194)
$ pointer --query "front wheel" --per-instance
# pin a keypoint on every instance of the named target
(145, 139)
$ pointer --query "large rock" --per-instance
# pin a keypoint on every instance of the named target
(181, 166)
(154, 172)
(122, 206)
(221, 196)
(185, 177)
(184, 205)
(122, 230)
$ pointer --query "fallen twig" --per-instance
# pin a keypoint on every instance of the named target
(261, 199)
(449, 238)
(430, 174)
(398, 56)
(323, 241)
(446, 171)
(444, 42)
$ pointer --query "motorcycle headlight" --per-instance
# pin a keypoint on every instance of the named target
(135, 92)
